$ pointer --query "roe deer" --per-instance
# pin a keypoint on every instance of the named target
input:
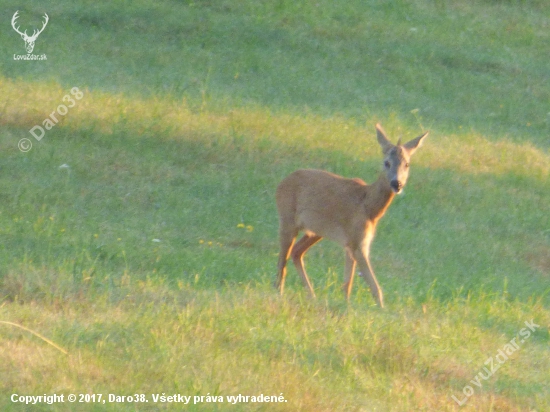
(323, 204)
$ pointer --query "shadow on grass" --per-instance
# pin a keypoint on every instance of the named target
(200, 208)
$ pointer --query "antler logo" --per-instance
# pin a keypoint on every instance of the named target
(29, 40)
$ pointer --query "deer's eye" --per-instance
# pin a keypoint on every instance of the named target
(407, 165)
(387, 164)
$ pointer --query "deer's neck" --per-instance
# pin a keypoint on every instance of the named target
(379, 198)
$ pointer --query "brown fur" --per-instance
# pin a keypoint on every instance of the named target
(322, 204)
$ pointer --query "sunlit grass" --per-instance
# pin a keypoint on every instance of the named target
(168, 119)
(178, 293)
(212, 342)
(140, 233)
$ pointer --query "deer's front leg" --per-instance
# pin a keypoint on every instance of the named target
(362, 257)
(349, 272)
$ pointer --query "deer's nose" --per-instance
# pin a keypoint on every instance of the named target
(396, 185)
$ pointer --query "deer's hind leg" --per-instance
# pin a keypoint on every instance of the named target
(286, 238)
(298, 251)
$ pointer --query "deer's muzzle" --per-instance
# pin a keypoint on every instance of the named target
(396, 185)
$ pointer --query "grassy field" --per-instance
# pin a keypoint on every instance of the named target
(139, 235)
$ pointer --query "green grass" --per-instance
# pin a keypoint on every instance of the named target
(140, 234)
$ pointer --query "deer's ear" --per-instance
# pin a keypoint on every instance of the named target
(385, 144)
(414, 144)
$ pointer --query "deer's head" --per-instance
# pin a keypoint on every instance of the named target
(397, 158)
(29, 40)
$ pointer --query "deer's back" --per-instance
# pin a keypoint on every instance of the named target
(321, 202)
